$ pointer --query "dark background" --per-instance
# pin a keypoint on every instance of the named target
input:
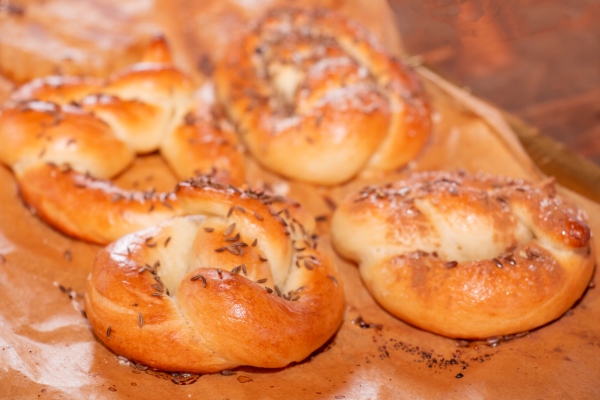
(539, 60)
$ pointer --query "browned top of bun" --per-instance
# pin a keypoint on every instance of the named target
(238, 281)
(58, 133)
(316, 98)
(468, 256)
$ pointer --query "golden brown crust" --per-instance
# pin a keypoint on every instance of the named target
(467, 256)
(91, 209)
(91, 129)
(316, 98)
(238, 281)
(201, 147)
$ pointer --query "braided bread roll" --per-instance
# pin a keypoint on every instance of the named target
(237, 281)
(64, 137)
(467, 256)
(316, 98)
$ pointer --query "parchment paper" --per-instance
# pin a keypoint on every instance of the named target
(47, 349)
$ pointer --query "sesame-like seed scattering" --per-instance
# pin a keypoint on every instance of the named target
(229, 230)
(308, 266)
(236, 251)
(157, 279)
(199, 276)
(486, 224)
(158, 287)
(108, 331)
(233, 239)
(236, 270)
(235, 236)
(330, 203)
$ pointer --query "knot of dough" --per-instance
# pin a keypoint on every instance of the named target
(316, 98)
(237, 281)
(62, 136)
(467, 256)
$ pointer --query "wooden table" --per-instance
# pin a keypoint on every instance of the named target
(539, 60)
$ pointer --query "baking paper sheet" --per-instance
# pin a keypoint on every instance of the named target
(47, 349)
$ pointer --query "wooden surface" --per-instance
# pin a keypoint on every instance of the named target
(539, 60)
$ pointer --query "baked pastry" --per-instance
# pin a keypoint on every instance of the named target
(94, 37)
(314, 97)
(64, 136)
(237, 281)
(467, 256)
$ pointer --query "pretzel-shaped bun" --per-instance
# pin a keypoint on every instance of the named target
(467, 256)
(316, 98)
(63, 136)
(238, 281)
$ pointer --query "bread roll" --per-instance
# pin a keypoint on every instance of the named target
(314, 97)
(65, 137)
(467, 256)
(236, 281)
